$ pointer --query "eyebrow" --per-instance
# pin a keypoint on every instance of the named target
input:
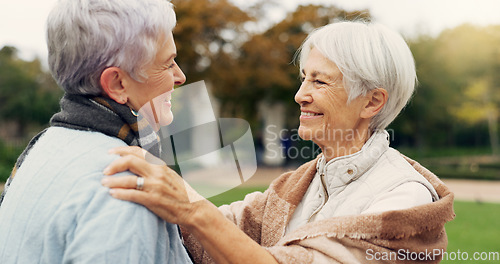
(315, 74)
(172, 57)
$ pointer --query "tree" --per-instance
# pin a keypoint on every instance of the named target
(208, 35)
(426, 120)
(244, 67)
(473, 59)
(267, 58)
(457, 92)
(480, 107)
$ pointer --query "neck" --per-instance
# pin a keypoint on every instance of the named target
(345, 145)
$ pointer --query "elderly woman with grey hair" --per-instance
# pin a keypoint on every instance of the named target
(360, 201)
(115, 61)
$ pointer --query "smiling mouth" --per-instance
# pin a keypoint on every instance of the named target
(309, 114)
(167, 101)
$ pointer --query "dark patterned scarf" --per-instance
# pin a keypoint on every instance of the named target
(98, 114)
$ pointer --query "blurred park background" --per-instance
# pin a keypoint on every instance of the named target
(246, 58)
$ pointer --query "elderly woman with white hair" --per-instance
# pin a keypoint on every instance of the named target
(359, 201)
(114, 59)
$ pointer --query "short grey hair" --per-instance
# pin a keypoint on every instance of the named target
(370, 56)
(84, 37)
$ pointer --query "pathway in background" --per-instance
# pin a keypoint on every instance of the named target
(479, 191)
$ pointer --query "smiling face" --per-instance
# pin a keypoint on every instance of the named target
(152, 97)
(326, 117)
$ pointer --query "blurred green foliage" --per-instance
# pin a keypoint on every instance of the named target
(28, 98)
(457, 101)
(8, 157)
(28, 94)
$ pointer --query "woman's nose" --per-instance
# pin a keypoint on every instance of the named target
(179, 76)
(303, 95)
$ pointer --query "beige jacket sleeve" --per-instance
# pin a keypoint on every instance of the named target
(246, 214)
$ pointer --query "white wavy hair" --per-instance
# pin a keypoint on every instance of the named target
(369, 56)
(84, 37)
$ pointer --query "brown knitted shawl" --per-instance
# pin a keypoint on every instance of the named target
(414, 235)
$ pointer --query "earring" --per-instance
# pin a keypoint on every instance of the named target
(134, 112)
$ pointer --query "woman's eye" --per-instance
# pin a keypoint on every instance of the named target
(170, 66)
(315, 81)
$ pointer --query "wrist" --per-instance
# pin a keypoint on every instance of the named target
(204, 213)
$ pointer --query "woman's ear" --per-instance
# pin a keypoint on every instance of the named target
(376, 99)
(111, 82)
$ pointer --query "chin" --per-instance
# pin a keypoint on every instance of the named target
(166, 116)
(165, 121)
(305, 133)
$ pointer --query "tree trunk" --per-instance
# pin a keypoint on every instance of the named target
(493, 130)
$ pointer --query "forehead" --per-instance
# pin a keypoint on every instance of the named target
(317, 65)
(166, 49)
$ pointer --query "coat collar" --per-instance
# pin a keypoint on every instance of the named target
(346, 169)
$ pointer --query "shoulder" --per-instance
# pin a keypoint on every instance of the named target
(404, 196)
(72, 150)
(394, 168)
(292, 185)
(86, 140)
(63, 171)
(396, 172)
(72, 161)
(63, 168)
(60, 183)
(393, 159)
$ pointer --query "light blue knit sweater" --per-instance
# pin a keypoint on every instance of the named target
(56, 210)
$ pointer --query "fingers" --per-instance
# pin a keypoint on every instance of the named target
(129, 150)
(124, 182)
(132, 163)
(124, 188)
(131, 195)
(138, 152)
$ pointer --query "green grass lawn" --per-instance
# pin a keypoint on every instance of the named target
(476, 227)
(235, 194)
